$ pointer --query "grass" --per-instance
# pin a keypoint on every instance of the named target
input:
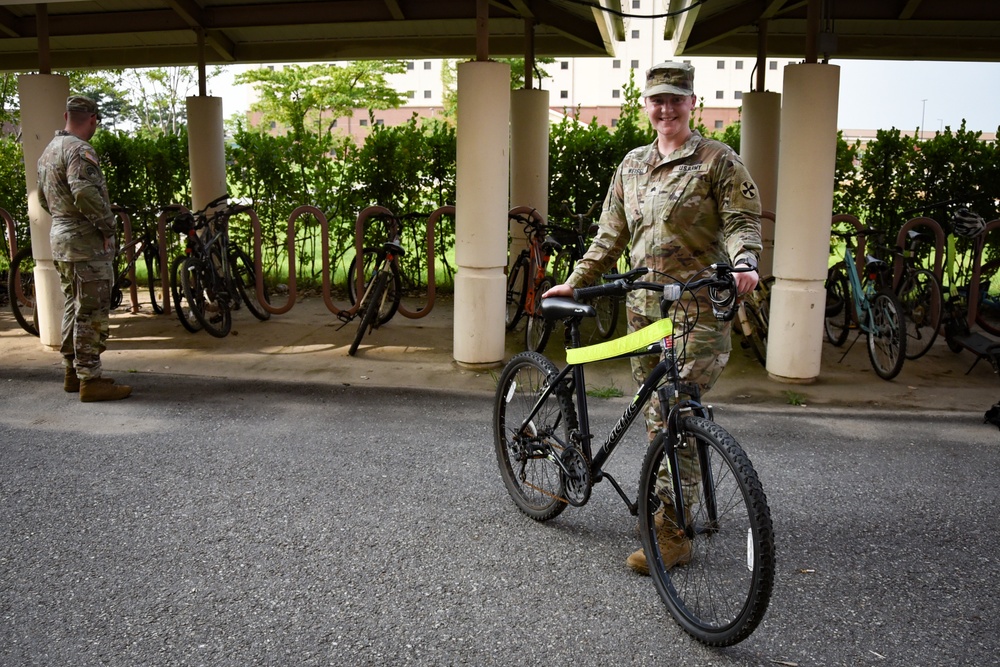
(605, 392)
(794, 398)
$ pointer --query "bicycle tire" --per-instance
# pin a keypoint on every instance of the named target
(922, 301)
(886, 335)
(372, 260)
(154, 278)
(517, 292)
(722, 594)
(837, 319)
(538, 329)
(22, 273)
(198, 284)
(606, 322)
(245, 278)
(182, 308)
(757, 340)
(371, 309)
(535, 483)
(988, 308)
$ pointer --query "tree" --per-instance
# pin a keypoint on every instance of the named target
(295, 94)
(158, 102)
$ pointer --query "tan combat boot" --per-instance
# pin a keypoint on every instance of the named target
(71, 383)
(102, 389)
(675, 547)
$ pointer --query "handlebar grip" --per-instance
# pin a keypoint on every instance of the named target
(615, 288)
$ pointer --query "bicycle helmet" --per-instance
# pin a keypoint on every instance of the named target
(967, 223)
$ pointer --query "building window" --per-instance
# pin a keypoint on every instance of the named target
(718, 124)
(635, 64)
(738, 95)
(427, 94)
(564, 64)
(616, 64)
(739, 64)
(614, 122)
(273, 125)
(411, 94)
(616, 94)
(409, 65)
(772, 65)
(334, 123)
(636, 4)
(635, 34)
(379, 121)
(363, 122)
(719, 95)
(563, 94)
(720, 64)
(427, 64)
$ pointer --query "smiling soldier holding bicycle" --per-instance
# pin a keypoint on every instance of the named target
(681, 203)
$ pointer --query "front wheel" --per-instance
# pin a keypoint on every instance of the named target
(886, 335)
(607, 315)
(719, 591)
(200, 286)
(538, 330)
(373, 259)
(21, 290)
(372, 304)
(517, 291)
(181, 306)
(922, 302)
(154, 279)
(530, 443)
(245, 276)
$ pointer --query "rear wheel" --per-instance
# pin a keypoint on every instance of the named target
(517, 291)
(837, 322)
(21, 290)
(208, 304)
(527, 449)
(720, 590)
(372, 261)
(154, 278)
(920, 297)
(886, 335)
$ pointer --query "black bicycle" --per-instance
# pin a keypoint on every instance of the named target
(215, 276)
(697, 486)
(143, 245)
(381, 297)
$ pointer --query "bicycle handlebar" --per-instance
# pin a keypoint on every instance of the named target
(721, 286)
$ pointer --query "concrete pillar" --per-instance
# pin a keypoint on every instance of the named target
(759, 140)
(206, 150)
(806, 163)
(529, 158)
(43, 103)
(481, 205)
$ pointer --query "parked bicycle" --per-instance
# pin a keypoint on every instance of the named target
(133, 247)
(215, 276)
(871, 304)
(527, 281)
(21, 289)
(542, 438)
(753, 315)
(380, 299)
(574, 242)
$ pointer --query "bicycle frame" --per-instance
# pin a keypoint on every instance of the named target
(860, 295)
(668, 393)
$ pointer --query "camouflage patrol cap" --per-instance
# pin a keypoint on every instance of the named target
(670, 79)
(81, 103)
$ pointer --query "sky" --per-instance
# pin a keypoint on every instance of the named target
(874, 94)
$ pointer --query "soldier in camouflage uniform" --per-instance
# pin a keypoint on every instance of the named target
(680, 204)
(71, 188)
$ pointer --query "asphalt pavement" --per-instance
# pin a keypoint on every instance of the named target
(265, 499)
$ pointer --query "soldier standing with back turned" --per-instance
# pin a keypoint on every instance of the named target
(71, 188)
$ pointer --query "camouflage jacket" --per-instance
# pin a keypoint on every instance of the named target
(71, 188)
(678, 214)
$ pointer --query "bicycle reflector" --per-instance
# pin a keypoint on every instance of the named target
(672, 292)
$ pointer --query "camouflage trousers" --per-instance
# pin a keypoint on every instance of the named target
(703, 357)
(86, 287)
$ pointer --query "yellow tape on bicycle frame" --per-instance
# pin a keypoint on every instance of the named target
(636, 340)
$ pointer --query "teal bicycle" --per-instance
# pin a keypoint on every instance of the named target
(870, 305)
(696, 485)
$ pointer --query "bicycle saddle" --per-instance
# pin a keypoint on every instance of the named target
(561, 308)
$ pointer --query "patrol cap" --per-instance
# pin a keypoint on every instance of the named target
(669, 78)
(81, 103)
